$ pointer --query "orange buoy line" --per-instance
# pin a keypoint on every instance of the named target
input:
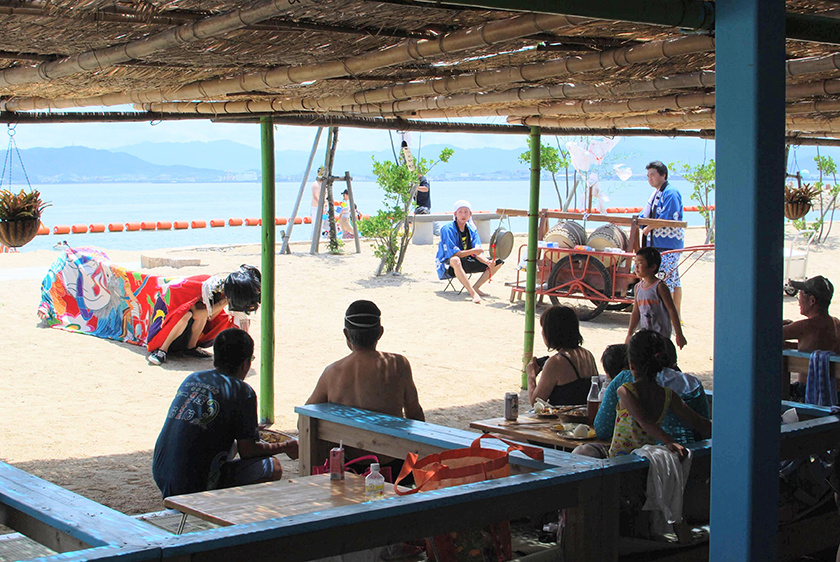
(134, 226)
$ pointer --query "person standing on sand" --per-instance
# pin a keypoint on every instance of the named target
(665, 203)
(367, 378)
(653, 308)
(213, 412)
(423, 197)
(459, 252)
(316, 193)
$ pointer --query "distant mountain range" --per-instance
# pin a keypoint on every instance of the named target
(228, 161)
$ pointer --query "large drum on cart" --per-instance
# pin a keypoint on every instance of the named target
(608, 236)
(580, 274)
(566, 235)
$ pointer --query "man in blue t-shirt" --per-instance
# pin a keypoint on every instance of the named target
(665, 203)
(459, 252)
(213, 411)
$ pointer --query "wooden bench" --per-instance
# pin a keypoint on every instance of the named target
(424, 226)
(794, 361)
(63, 521)
(589, 489)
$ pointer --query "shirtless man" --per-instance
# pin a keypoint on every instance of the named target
(316, 193)
(819, 330)
(368, 378)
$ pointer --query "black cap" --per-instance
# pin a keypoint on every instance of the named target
(818, 286)
(423, 181)
(362, 315)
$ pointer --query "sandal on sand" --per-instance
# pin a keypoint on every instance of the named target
(197, 353)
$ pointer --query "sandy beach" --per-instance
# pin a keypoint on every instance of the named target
(84, 412)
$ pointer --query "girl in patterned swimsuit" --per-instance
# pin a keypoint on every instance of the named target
(643, 403)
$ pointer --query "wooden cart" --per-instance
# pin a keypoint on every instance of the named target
(591, 281)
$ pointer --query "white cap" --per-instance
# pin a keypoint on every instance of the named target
(374, 467)
(462, 203)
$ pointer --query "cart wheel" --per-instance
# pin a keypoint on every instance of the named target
(790, 291)
(588, 270)
(619, 306)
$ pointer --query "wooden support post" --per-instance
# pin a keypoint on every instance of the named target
(285, 248)
(352, 203)
(750, 67)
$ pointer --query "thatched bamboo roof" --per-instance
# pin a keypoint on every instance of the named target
(382, 60)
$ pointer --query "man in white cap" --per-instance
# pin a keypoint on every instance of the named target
(460, 252)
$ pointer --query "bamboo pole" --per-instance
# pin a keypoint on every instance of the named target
(705, 119)
(411, 50)
(565, 66)
(100, 59)
(531, 267)
(267, 289)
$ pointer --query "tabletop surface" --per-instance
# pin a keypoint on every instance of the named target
(257, 502)
(531, 429)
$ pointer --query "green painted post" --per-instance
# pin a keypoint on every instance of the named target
(531, 279)
(267, 301)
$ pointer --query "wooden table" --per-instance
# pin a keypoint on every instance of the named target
(257, 502)
(531, 429)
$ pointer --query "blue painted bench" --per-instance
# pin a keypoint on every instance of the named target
(63, 521)
(794, 361)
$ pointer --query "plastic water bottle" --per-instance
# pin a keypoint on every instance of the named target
(374, 484)
(592, 401)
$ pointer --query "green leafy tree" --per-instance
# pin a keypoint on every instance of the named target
(551, 159)
(387, 226)
(702, 180)
(826, 167)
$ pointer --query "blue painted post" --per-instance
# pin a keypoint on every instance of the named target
(750, 162)
(268, 252)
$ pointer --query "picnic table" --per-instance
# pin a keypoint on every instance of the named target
(282, 498)
(531, 429)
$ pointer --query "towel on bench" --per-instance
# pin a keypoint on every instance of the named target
(666, 481)
(821, 388)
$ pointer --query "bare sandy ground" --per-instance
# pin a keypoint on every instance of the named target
(85, 412)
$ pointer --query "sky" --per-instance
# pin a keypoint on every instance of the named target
(115, 135)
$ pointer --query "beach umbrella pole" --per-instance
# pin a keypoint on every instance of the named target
(531, 261)
(267, 295)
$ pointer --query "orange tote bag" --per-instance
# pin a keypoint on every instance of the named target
(464, 466)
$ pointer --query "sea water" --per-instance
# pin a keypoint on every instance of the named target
(136, 202)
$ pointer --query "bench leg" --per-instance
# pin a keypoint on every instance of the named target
(181, 524)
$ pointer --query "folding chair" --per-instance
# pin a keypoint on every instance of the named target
(451, 280)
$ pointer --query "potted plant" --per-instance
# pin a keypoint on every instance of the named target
(20, 216)
(798, 200)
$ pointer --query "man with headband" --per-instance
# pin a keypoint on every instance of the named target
(459, 252)
(367, 378)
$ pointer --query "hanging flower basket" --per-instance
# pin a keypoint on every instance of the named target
(794, 211)
(14, 233)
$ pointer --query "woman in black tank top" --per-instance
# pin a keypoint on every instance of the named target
(565, 376)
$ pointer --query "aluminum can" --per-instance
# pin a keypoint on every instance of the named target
(511, 406)
(336, 463)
